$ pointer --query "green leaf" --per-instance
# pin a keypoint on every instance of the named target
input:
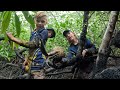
(17, 25)
(6, 20)
(1, 14)
(29, 18)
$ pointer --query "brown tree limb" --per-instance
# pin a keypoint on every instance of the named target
(83, 34)
(104, 49)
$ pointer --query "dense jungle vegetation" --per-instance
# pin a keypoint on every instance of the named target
(21, 23)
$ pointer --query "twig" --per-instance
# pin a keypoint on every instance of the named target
(78, 14)
(91, 15)
(10, 75)
(3, 77)
(10, 64)
(114, 56)
(53, 16)
(58, 73)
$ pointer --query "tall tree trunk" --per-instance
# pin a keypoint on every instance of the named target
(82, 42)
(84, 32)
(104, 49)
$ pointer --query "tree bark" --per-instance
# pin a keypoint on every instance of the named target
(104, 49)
(81, 42)
(83, 34)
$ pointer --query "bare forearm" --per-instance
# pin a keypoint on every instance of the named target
(25, 43)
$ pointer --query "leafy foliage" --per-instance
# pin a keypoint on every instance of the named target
(17, 24)
(29, 18)
(21, 23)
(6, 19)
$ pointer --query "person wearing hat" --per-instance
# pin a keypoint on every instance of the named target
(38, 38)
(88, 50)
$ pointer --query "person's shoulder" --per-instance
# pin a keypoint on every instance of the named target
(45, 31)
(33, 32)
(88, 40)
(71, 46)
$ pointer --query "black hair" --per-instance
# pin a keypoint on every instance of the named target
(66, 32)
(53, 32)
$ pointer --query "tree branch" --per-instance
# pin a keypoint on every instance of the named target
(104, 49)
(91, 14)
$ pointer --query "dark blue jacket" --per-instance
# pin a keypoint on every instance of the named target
(72, 50)
(43, 34)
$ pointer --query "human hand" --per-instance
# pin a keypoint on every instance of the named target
(84, 52)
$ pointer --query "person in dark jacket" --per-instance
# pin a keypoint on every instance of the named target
(89, 48)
